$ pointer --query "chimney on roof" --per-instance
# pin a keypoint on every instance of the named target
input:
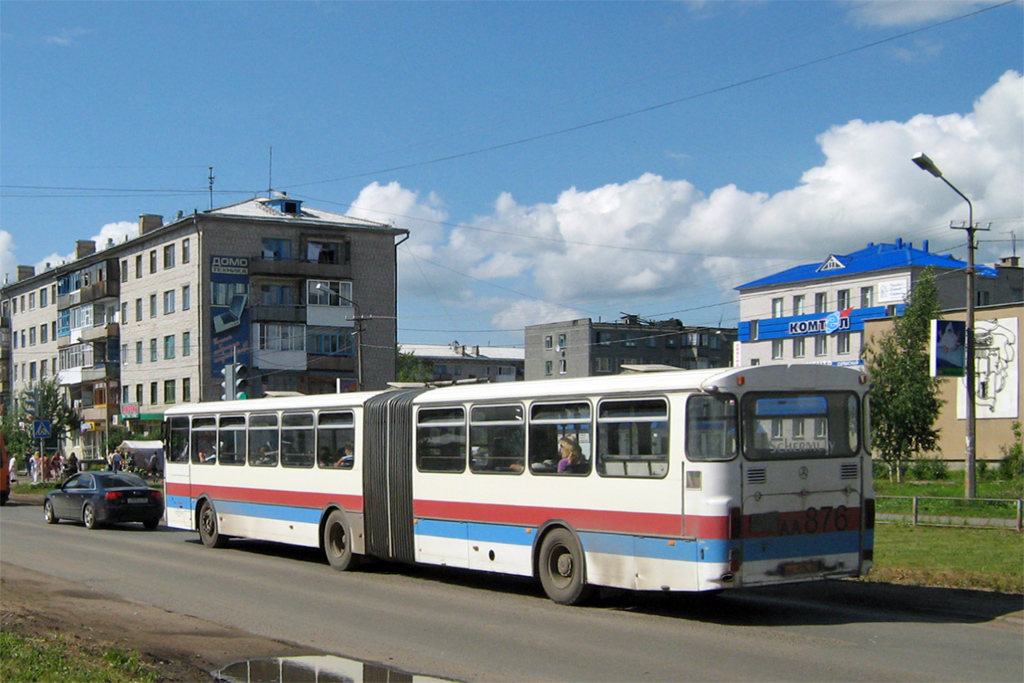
(924, 246)
(148, 222)
(899, 242)
(25, 272)
(84, 248)
(1008, 262)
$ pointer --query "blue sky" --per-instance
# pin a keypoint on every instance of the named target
(551, 160)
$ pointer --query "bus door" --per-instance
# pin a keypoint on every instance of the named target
(801, 486)
(177, 484)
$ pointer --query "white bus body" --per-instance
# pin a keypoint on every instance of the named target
(688, 480)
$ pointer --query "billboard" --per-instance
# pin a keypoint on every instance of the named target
(229, 312)
(948, 352)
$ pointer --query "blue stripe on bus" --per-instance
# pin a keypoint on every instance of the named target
(806, 545)
(280, 513)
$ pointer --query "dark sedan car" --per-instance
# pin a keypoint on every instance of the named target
(103, 497)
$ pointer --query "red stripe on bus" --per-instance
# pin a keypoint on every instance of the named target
(301, 499)
(640, 523)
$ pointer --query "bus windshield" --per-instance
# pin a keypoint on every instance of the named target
(800, 425)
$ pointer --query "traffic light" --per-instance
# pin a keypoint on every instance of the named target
(240, 380)
(228, 389)
(31, 403)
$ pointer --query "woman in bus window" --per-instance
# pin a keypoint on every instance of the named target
(572, 456)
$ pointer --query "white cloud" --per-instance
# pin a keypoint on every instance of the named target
(654, 239)
(906, 13)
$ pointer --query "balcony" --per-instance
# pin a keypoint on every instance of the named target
(295, 313)
(105, 289)
(101, 332)
(299, 268)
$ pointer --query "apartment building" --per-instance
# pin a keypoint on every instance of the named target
(305, 299)
(584, 348)
(461, 362)
(815, 313)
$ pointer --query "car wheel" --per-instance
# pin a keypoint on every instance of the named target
(562, 568)
(89, 517)
(151, 524)
(209, 530)
(48, 513)
(338, 542)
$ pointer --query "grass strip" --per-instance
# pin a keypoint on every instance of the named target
(56, 657)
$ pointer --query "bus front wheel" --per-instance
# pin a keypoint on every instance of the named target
(209, 530)
(338, 542)
(562, 568)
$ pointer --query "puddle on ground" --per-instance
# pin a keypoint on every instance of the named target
(316, 669)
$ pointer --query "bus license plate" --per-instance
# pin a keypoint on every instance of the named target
(795, 568)
(138, 500)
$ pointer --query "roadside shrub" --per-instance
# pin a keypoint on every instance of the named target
(879, 470)
(930, 469)
(1011, 467)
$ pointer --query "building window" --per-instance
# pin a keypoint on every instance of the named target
(276, 249)
(186, 343)
(798, 347)
(777, 307)
(138, 393)
(753, 330)
(138, 266)
(42, 369)
(548, 368)
(186, 252)
(153, 386)
(169, 347)
(843, 299)
(152, 350)
(138, 310)
(152, 305)
(126, 394)
(31, 336)
(124, 270)
(561, 341)
(984, 298)
(821, 302)
(776, 349)
(124, 354)
(843, 343)
(562, 367)
(549, 342)
(328, 293)
(124, 312)
(152, 263)
(821, 345)
(44, 330)
(798, 304)
(867, 297)
(280, 337)
(31, 301)
(186, 297)
(43, 299)
(186, 388)
(138, 352)
(169, 302)
(327, 252)
(329, 341)
(168, 256)
(169, 391)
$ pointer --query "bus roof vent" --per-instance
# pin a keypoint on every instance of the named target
(653, 367)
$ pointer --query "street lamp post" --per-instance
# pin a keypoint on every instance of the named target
(970, 483)
(358, 320)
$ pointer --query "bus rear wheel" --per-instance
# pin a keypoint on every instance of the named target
(338, 542)
(209, 530)
(562, 569)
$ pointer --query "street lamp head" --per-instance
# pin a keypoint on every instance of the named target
(926, 164)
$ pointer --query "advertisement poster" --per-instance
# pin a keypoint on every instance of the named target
(948, 352)
(229, 311)
(997, 371)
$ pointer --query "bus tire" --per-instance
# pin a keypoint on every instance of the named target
(337, 538)
(561, 566)
(209, 530)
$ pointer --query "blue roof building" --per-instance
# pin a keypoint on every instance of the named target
(815, 313)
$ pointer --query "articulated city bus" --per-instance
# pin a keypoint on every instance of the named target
(697, 480)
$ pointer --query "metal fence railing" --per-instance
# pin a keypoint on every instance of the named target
(980, 512)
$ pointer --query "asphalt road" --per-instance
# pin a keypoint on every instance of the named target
(478, 627)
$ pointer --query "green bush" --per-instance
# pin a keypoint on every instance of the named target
(1011, 467)
(930, 469)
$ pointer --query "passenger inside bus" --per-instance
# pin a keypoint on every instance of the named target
(572, 456)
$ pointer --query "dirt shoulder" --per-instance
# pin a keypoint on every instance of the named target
(184, 648)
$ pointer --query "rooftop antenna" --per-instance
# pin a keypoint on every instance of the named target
(270, 174)
(210, 178)
(1013, 236)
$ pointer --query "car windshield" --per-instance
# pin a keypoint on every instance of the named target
(116, 481)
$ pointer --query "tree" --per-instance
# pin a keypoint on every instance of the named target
(412, 369)
(904, 398)
(52, 405)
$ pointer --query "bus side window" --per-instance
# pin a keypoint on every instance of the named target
(178, 440)
(441, 440)
(711, 427)
(335, 436)
(497, 439)
(204, 441)
(552, 426)
(231, 439)
(264, 441)
(632, 438)
(297, 440)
